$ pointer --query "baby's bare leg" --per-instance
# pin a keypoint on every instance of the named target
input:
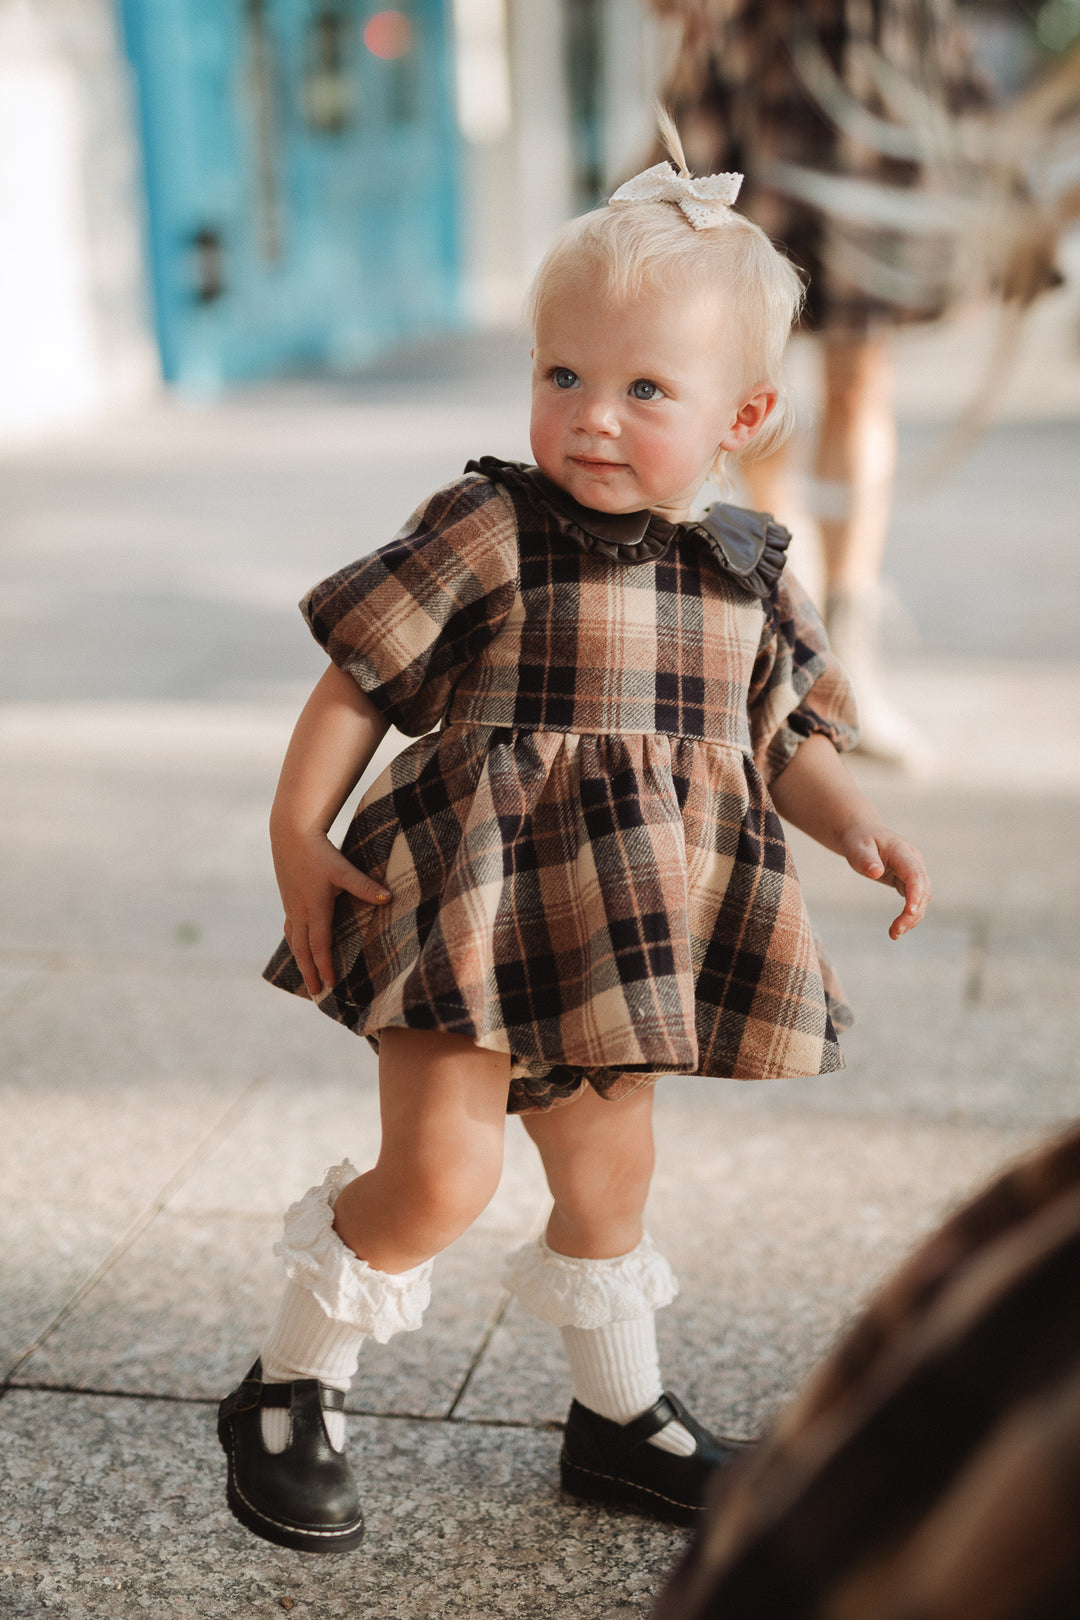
(597, 1277)
(598, 1158)
(443, 1105)
(358, 1258)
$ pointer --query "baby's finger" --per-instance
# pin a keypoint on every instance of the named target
(359, 885)
(916, 892)
(305, 961)
(320, 941)
(863, 856)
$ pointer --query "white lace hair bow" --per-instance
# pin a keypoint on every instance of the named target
(703, 201)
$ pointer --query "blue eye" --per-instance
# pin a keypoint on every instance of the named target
(644, 389)
(563, 377)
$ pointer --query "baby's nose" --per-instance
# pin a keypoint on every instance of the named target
(598, 415)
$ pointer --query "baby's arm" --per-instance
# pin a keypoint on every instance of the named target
(332, 745)
(818, 794)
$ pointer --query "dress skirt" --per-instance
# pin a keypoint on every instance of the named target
(604, 905)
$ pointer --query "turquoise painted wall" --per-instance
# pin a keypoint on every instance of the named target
(302, 175)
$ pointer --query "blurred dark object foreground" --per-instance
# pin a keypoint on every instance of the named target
(930, 1470)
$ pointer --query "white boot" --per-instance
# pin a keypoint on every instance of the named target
(853, 619)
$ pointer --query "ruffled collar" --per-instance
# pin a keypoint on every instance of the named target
(749, 546)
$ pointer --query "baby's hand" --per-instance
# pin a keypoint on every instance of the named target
(311, 874)
(879, 853)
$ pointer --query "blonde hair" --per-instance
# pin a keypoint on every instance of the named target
(639, 247)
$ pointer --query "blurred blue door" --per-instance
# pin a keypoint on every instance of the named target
(300, 161)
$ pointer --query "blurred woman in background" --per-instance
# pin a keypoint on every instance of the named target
(747, 91)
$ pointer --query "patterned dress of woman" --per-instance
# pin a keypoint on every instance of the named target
(586, 868)
(745, 94)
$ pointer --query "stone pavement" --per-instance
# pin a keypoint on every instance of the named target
(161, 1105)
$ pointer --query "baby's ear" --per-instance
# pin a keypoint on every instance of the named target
(752, 413)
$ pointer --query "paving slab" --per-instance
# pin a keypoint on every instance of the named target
(321, 1106)
(115, 1508)
(142, 827)
(1039, 968)
(181, 1311)
(783, 1231)
(49, 1252)
(140, 831)
(179, 547)
(112, 1081)
(996, 812)
(173, 1315)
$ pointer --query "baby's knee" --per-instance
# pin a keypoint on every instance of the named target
(454, 1191)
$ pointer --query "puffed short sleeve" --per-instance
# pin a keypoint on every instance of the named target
(405, 621)
(798, 687)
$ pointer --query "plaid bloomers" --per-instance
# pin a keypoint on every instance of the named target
(586, 868)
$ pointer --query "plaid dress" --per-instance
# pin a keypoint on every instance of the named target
(586, 868)
(741, 102)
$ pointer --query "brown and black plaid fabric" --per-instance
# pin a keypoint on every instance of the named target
(741, 103)
(931, 1468)
(586, 867)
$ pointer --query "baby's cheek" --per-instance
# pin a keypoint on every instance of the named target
(543, 436)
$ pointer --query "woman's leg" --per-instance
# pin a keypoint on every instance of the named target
(856, 465)
(856, 460)
(774, 485)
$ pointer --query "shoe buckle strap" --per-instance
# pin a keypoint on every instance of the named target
(634, 1434)
(244, 1398)
(330, 1399)
(276, 1395)
(253, 1392)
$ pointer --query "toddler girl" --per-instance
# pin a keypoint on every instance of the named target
(579, 882)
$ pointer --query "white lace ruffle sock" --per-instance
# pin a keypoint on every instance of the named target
(333, 1301)
(605, 1311)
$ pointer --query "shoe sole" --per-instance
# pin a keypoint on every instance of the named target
(608, 1488)
(334, 1539)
